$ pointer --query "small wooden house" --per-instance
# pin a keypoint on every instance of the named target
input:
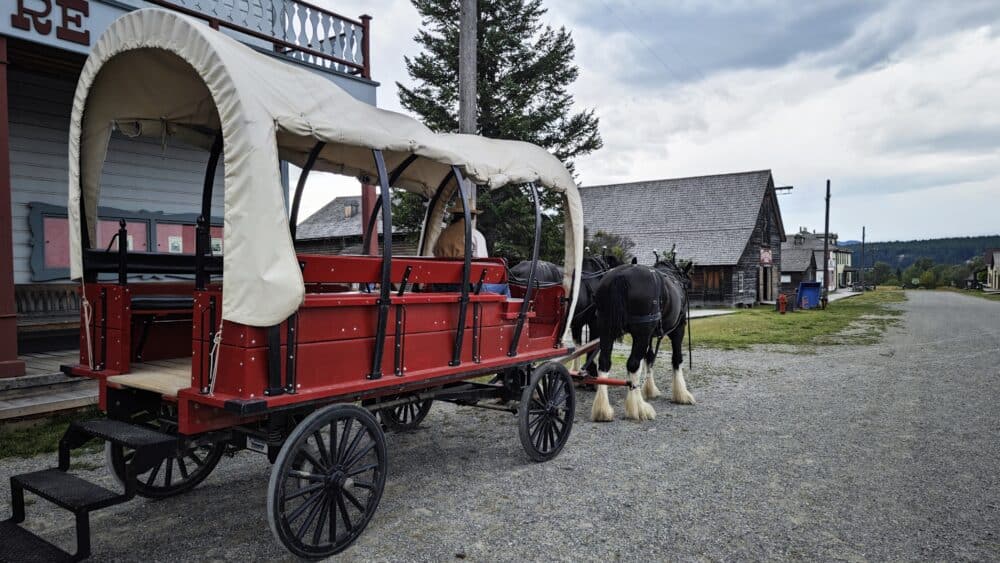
(729, 225)
(797, 265)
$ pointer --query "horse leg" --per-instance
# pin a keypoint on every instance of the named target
(650, 390)
(576, 330)
(602, 410)
(636, 407)
(681, 395)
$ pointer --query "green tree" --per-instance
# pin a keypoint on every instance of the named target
(524, 71)
(923, 264)
(928, 279)
(881, 272)
(617, 245)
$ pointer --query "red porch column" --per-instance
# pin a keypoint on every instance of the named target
(367, 207)
(10, 366)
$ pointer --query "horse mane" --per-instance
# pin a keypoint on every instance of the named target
(671, 268)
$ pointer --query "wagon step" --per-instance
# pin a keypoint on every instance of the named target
(75, 494)
(21, 545)
(67, 491)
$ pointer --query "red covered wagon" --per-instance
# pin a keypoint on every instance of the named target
(294, 355)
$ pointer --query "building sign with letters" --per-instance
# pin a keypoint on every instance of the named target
(73, 25)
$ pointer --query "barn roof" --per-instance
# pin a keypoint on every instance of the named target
(709, 218)
(331, 221)
(797, 259)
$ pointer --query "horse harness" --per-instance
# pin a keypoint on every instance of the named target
(658, 315)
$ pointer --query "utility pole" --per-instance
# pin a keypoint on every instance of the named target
(862, 269)
(826, 247)
(467, 109)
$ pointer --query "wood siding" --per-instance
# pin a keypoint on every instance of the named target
(138, 174)
(746, 273)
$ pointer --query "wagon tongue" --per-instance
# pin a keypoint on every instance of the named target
(75, 494)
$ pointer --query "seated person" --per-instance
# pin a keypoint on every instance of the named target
(451, 244)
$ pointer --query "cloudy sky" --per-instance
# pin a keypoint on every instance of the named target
(896, 102)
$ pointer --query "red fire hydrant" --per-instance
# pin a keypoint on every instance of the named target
(782, 303)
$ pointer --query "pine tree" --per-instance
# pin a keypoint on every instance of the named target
(524, 70)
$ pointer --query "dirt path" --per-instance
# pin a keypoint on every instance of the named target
(889, 451)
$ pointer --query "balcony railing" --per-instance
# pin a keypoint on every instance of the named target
(294, 28)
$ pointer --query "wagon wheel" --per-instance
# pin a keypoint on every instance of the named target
(327, 481)
(545, 415)
(173, 475)
(406, 416)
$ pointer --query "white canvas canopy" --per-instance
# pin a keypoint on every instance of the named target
(155, 72)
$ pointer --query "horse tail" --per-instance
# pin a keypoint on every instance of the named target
(617, 315)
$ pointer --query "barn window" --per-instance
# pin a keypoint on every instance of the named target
(738, 282)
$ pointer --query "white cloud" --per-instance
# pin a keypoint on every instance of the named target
(902, 115)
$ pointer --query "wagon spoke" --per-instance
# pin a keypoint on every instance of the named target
(559, 394)
(357, 457)
(354, 500)
(362, 469)
(318, 533)
(543, 436)
(553, 434)
(168, 476)
(303, 491)
(312, 477)
(343, 513)
(349, 454)
(321, 446)
(333, 439)
(183, 468)
(152, 476)
(332, 504)
(307, 523)
(305, 505)
(343, 438)
(534, 422)
(312, 459)
(194, 457)
(538, 428)
(364, 485)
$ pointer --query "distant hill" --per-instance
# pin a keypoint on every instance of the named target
(901, 254)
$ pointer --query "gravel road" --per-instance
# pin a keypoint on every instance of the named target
(882, 452)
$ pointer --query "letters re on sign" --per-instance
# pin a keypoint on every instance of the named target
(69, 18)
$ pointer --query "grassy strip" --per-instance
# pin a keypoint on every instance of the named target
(44, 437)
(973, 293)
(857, 320)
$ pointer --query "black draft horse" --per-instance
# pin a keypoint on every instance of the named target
(592, 270)
(648, 303)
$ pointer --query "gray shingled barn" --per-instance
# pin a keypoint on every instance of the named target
(728, 224)
(336, 229)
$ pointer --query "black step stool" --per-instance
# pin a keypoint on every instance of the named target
(75, 494)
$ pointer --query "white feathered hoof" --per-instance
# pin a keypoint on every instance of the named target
(681, 395)
(636, 408)
(650, 390)
(602, 410)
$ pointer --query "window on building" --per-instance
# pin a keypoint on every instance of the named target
(147, 232)
(738, 282)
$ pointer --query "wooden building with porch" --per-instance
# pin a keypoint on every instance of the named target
(154, 186)
(729, 225)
